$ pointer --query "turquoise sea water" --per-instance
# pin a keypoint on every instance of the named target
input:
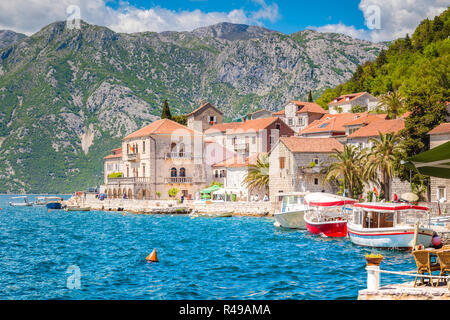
(202, 258)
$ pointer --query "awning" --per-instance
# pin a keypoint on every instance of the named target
(230, 191)
(434, 162)
(210, 189)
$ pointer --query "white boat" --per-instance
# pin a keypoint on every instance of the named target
(25, 203)
(292, 211)
(390, 225)
(40, 201)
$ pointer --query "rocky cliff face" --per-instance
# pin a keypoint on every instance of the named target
(68, 96)
(8, 37)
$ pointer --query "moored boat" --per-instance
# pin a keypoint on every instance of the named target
(223, 214)
(40, 201)
(327, 214)
(75, 208)
(24, 203)
(390, 225)
(292, 211)
(54, 203)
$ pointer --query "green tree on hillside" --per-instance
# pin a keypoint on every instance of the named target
(392, 102)
(310, 98)
(165, 113)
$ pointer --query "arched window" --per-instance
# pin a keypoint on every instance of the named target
(173, 172)
(183, 172)
(181, 148)
(173, 147)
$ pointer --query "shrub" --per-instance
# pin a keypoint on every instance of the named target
(115, 175)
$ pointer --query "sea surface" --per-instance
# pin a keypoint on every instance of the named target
(101, 255)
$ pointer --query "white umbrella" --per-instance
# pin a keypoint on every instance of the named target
(409, 196)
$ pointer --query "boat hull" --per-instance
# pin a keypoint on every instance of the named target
(54, 205)
(291, 220)
(335, 229)
(393, 238)
(20, 204)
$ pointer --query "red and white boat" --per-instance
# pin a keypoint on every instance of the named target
(390, 225)
(327, 214)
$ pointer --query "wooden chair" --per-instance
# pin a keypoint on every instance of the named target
(423, 263)
(446, 247)
(444, 261)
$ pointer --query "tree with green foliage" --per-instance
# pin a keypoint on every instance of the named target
(310, 98)
(165, 113)
(173, 192)
(181, 119)
(383, 159)
(346, 166)
(392, 102)
(357, 109)
(257, 177)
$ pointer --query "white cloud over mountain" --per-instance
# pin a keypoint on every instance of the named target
(29, 16)
(396, 18)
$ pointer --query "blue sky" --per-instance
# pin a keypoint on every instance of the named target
(294, 15)
(373, 20)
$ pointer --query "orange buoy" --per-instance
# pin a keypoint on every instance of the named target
(152, 257)
(49, 210)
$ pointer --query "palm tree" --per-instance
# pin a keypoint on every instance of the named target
(383, 158)
(392, 102)
(346, 166)
(258, 174)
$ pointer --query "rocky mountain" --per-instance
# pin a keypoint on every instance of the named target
(68, 96)
(8, 37)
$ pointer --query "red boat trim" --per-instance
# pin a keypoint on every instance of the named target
(393, 208)
(330, 204)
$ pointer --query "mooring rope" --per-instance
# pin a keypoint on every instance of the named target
(411, 274)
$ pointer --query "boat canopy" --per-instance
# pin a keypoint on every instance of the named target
(290, 194)
(433, 163)
(387, 207)
(21, 197)
(320, 199)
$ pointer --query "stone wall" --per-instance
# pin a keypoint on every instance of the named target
(238, 208)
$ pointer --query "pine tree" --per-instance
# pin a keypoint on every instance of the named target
(165, 114)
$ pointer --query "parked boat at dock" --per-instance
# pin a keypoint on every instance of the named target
(327, 214)
(390, 225)
(75, 208)
(292, 211)
(54, 203)
(24, 203)
(224, 214)
(40, 201)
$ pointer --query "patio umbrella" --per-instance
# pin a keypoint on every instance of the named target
(433, 163)
(409, 196)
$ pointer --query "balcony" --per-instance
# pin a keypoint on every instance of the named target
(128, 181)
(179, 180)
(133, 157)
(178, 155)
(242, 147)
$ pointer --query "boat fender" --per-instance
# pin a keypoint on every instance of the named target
(152, 257)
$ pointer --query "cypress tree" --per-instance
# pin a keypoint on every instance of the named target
(165, 114)
(310, 98)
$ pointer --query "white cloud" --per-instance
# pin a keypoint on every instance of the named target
(29, 16)
(397, 18)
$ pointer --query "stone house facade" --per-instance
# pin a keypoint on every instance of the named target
(345, 103)
(298, 115)
(159, 157)
(440, 188)
(296, 163)
(204, 117)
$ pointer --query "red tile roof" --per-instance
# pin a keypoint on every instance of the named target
(223, 127)
(366, 118)
(406, 115)
(441, 129)
(312, 145)
(279, 113)
(253, 125)
(342, 99)
(163, 126)
(116, 154)
(384, 126)
(333, 123)
(309, 107)
(238, 162)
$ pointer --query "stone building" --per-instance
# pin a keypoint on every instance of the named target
(298, 115)
(260, 114)
(158, 157)
(204, 117)
(296, 163)
(361, 138)
(113, 163)
(439, 187)
(345, 103)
